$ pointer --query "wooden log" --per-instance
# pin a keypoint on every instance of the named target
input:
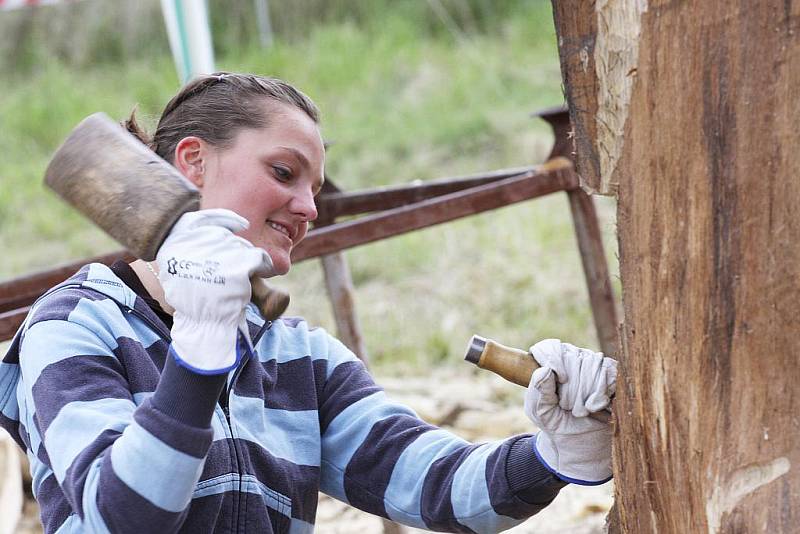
(576, 26)
(703, 152)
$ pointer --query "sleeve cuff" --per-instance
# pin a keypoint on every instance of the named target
(186, 396)
(528, 479)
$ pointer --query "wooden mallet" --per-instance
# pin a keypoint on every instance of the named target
(131, 193)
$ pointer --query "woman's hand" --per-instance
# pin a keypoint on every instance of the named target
(205, 271)
(571, 384)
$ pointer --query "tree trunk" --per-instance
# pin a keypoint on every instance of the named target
(695, 122)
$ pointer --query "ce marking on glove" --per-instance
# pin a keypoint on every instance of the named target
(204, 271)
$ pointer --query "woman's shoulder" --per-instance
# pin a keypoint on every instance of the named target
(290, 338)
(290, 331)
(91, 297)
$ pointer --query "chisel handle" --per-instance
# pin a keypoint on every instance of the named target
(514, 365)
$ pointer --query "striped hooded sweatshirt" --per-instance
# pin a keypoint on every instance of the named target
(122, 439)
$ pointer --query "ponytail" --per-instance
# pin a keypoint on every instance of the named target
(132, 126)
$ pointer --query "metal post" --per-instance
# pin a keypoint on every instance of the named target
(189, 37)
(595, 268)
(340, 285)
(590, 242)
(264, 24)
(340, 291)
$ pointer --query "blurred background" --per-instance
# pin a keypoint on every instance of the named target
(408, 89)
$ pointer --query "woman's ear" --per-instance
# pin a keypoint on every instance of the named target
(190, 154)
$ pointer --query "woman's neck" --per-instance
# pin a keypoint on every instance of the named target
(148, 274)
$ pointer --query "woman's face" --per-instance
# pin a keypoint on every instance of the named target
(269, 176)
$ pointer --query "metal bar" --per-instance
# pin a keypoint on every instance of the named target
(595, 269)
(558, 119)
(341, 294)
(10, 321)
(23, 291)
(339, 284)
(556, 175)
(339, 204)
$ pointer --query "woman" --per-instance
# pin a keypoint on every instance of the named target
(153, 398)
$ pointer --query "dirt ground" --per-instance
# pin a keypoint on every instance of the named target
(478, 406)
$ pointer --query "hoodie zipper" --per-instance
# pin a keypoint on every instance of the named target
(229, 387)
(225, 402)
(235, 507)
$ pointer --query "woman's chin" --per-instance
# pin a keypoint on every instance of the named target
(281, 262)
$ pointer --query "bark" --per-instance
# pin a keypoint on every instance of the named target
(702, 148)
(577, 28)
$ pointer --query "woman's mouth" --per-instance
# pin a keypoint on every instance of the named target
(280, 228)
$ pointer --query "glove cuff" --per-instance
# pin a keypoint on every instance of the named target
(547, 453)
(207, 349)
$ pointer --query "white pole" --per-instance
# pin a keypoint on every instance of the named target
(264, 24)
(189, 37)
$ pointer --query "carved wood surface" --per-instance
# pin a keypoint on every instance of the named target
(708, 400)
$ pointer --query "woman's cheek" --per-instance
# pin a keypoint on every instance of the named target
(302, 230)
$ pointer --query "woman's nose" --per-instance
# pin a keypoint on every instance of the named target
(305, 205)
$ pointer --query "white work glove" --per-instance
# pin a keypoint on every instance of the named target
(205, 271)
(570, 384)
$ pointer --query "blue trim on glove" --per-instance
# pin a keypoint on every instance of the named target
(564, 477)
(242, 348)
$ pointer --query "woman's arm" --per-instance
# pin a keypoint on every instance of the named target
(122, 468)
(379, 456)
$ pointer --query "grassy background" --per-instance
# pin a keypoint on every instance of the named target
(405, 94)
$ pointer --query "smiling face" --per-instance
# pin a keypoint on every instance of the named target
(269, 176)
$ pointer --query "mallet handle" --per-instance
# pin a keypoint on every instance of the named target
(271, 301)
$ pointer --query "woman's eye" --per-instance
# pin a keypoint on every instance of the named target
(282, 173)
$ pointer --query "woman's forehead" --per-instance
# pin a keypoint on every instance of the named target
(289, 128)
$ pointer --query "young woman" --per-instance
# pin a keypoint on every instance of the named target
(151, 397)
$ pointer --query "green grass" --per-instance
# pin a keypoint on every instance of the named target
(398, 104)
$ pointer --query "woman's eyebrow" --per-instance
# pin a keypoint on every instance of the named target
(297, 154)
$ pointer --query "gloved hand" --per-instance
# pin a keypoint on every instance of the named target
(205, 271)
(570, 384)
